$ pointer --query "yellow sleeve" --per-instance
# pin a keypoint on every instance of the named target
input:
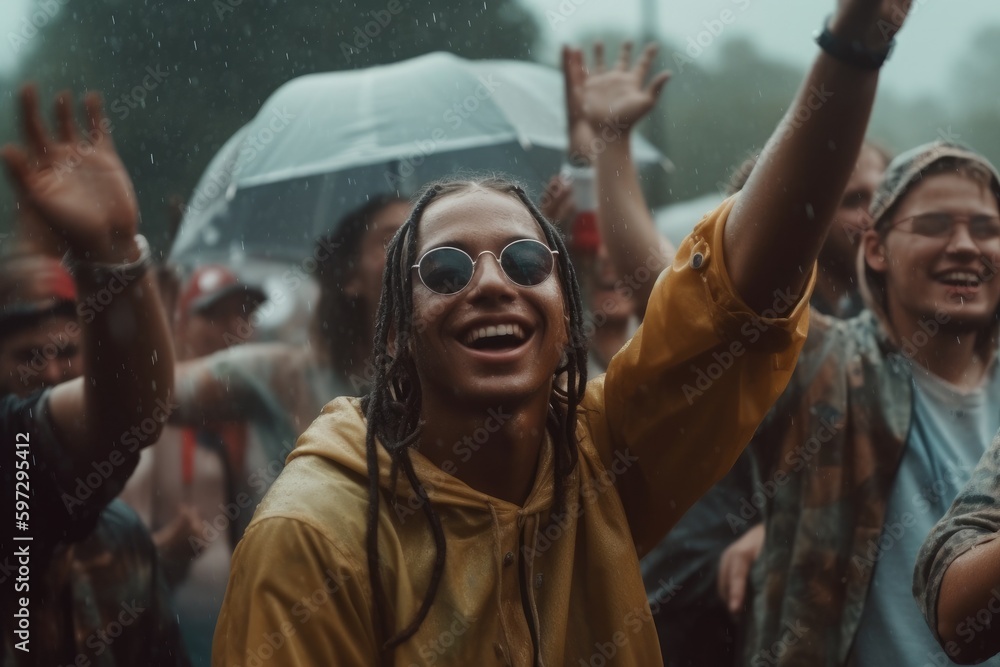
(684, 396)
(293, 599)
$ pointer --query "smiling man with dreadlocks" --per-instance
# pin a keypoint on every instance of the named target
(485, 504)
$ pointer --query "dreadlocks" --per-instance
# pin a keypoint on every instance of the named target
(393, 407)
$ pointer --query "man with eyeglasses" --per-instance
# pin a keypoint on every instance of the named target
(884, 420)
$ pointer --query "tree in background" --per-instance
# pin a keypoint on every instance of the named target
(179, 78)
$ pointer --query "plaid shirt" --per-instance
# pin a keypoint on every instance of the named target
(95, 588)
(104, 599)
(828, 457)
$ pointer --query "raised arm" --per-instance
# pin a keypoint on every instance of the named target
(782, 217)
(614, 102)
(83, 204)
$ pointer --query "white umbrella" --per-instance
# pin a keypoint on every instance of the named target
(323, 143)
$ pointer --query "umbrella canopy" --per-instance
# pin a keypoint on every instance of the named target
(322, 144)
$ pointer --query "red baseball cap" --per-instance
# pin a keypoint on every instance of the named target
(212, 283)
(32, 286)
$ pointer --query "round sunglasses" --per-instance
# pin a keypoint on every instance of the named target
(447, 270)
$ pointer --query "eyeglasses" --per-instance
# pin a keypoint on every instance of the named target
(942, 225)
(446, 270)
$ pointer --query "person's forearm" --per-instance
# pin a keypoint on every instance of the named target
(968, 591)
(782, 217)
(128, 367)
(634, 245)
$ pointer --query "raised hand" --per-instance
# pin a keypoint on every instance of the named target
(617, 97)
(74, 183)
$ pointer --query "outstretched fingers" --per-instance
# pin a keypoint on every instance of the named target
(599, 57)
(94, 106)
(645, 62)
(655, 86)
(35, 134)
(624, 57)
(65, 123)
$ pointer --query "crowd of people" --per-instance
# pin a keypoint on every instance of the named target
(529, 432)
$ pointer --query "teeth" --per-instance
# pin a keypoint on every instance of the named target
(966, 277)
(495, 330)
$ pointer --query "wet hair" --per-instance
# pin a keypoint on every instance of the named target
(341, 324)
(393, 407)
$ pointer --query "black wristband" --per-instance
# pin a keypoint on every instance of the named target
(853, 53)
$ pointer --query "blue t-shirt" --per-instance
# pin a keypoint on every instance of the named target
(951, 430)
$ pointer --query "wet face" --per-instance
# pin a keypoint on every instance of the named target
(851, 219)
(952, 277)
(40, 356)
(493, 343)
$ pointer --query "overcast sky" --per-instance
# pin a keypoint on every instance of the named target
(928, 52)
(934, 39)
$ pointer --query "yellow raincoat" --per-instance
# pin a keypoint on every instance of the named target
(669, 418)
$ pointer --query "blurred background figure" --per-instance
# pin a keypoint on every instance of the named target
(190, 488)
(73, 381)
(39, 333)
(211, 309)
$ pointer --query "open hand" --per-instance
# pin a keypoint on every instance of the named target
(617, 98)
(74, 183)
